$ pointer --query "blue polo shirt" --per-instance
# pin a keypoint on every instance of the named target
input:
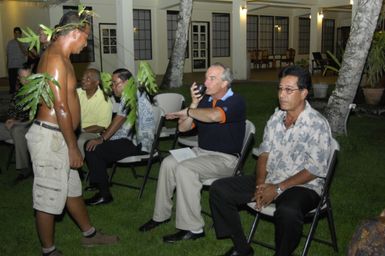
(225, 136)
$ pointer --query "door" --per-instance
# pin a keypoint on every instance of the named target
(108, 54)
(200, 46)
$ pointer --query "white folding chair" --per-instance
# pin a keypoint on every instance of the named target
(147, 159)
(324, 209)
(169, 102)
(247, 142)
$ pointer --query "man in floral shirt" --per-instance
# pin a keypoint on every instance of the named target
(292, 158)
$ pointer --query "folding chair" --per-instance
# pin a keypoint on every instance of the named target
(247, 141)
(324, 209)
(147, 159)
(169, 102)
(318, 62)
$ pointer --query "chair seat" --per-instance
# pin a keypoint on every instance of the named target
(190, 141)
(208, 182)
(255, 151)
(268, 210)
(167, 132)
(137, 158)
(9, 141)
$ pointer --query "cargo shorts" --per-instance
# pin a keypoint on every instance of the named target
(54, 180)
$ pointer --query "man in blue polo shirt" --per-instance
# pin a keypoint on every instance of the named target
(219, 117)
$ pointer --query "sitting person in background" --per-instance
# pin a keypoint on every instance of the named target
(95, 108)
(15, 128)
(291, 159)
(219, 116)
(115, 143)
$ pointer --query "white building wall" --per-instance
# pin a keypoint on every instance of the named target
(202, 11)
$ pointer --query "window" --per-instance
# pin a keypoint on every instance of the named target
(109, 40)
(172, 24)
(328, 35)
(304, 36)
(221, 35)
(142, 34)
(281, 34)
(87, 54)
(252, 32)
(266, 28)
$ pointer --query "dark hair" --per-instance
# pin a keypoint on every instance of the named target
(303, 75)
(69, 18)
(123, 74)
(16, 29)
(25, 66)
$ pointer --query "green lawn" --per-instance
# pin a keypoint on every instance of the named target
(357, 193)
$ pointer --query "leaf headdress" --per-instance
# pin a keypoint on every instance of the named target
(37, 88)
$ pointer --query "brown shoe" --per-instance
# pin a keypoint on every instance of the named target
(99, 239)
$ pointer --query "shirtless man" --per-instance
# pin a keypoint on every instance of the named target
(53, 146)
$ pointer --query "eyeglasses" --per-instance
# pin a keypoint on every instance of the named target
(288, 90)
(116, 82)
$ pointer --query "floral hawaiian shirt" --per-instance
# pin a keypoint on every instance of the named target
(304, 145)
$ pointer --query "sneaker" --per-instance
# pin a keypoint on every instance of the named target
(99, 239)
(151, 224)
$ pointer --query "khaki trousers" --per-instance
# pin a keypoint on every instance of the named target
(186, 178)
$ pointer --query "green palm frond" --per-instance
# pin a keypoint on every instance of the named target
(30, 37)
(106, 82)
(36, 89)
(129, 98)
(146, 78)
(48, 31)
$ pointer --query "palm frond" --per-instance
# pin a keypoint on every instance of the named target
(36, 89)
(146, 78)
(106, 82)
(130, 100)
(30, 37)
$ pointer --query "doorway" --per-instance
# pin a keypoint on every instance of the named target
(108, 45)
(200, 46)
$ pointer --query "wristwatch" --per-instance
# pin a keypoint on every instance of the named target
(278, 189)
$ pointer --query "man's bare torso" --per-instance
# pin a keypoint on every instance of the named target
(59, 66)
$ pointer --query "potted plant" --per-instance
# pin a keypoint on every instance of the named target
(374, 70)
(373, 79)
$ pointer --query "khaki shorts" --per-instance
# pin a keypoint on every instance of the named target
(54, 181)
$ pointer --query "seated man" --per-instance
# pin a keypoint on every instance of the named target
(292, 156)
(15, 128)
(116, 142)
(219, 117)
(95, 108)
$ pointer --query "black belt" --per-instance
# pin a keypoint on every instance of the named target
(50, 127)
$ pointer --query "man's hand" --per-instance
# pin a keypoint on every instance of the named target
(182, 114)
(10, 123)
(91, 145)
(195, 96)
(75, 157)
(264, 195)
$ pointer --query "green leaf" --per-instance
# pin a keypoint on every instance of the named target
(146, 78)
(106, 82)
(30, 37)
(130, 100)
(36, 88)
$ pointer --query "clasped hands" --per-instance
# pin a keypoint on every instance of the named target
(264, 195)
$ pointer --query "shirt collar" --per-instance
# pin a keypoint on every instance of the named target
(228, 94)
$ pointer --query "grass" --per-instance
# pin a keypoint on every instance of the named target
(356, 193)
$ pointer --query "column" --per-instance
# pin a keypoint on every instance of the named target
(240, 62)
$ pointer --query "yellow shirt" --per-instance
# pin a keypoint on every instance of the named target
(95, 110)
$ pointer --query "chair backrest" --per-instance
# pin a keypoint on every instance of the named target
(318, 58)
(247, 140)
(169, 102)
(290, 54)
(335, 147)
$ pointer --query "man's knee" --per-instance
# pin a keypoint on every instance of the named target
(288, 213)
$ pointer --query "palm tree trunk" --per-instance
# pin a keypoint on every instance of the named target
(363, 26)
(174, 73)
